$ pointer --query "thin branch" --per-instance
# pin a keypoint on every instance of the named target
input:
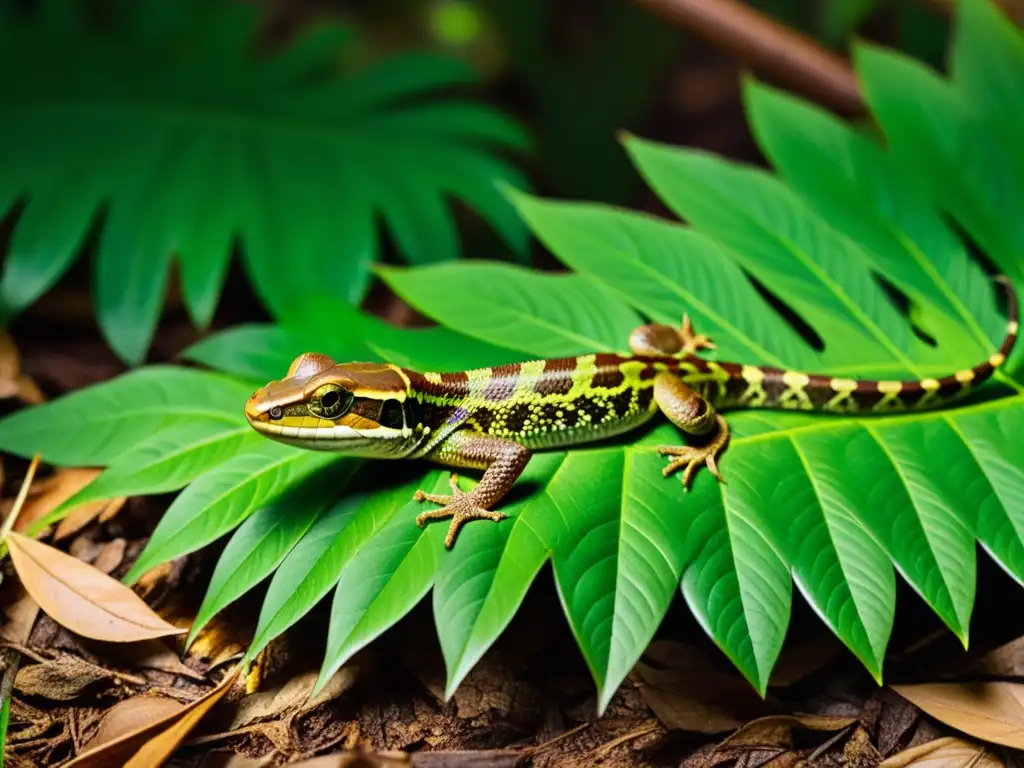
(770, 47)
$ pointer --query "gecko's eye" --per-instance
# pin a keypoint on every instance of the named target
(330, 402)
(276, 412)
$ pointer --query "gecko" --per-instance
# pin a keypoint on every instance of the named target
(493, 419)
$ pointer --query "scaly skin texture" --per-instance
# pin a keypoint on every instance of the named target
(491, 419)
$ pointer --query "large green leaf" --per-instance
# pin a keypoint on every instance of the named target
(935, 132)
(226, 495)
(837, 505)
(96, 425)
(167, 122)
(543, 315)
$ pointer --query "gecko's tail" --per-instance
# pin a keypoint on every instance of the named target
(931, 392)
(979, 373)
(791, 390)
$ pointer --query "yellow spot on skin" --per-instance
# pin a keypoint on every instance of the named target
(752, 374)
(889, 387)
(964, 376)
(930, 384)
(996, 360)
(795, 380)
(843, 385)
(433, 378)
(1012, 327)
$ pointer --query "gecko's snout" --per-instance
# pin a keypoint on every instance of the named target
(255, 406)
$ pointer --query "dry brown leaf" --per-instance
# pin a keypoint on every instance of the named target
(21, 613)
(81, 598)
(944, 753)
(696, 697)
(64, 484)
(293, 695)
(81, 516)
(992, 712)
(61, 679)
(110, 556)
(145, 654)
(777, 729)
(162, 745)
(802, 660)
(132, 715)
(1005, 661)
(29, 392)
(134, 747)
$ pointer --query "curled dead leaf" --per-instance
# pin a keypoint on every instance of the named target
(992, 711)
(945, 753)
(81, 598)
(151, 744)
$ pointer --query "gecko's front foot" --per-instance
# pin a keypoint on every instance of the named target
(690, 458)
(693, 342)
(461, 507)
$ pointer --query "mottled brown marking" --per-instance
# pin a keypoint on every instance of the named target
(502, 383)
(557, 376)
(455, 383)
(608, 377)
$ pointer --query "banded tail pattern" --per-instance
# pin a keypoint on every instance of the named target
(774, 388)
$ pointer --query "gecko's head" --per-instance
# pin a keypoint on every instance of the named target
(360, 409)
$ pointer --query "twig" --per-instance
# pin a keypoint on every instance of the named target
(603, 750)
(19, 502)
(551, 742)
(766, 45)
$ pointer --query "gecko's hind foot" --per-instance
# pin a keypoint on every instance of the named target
(693, 342)
(690, 459)
(460, 507)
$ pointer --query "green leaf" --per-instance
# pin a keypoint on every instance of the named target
(262, 542)
(987, 68)
(169, 460)
(480, 584)
(542, 315)
(318, 560)
(854, 185)
(186, 140)
(384, 580)
(661, 269)
(95, 425)
(226, 495)
(934, 133)
(772, 233)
